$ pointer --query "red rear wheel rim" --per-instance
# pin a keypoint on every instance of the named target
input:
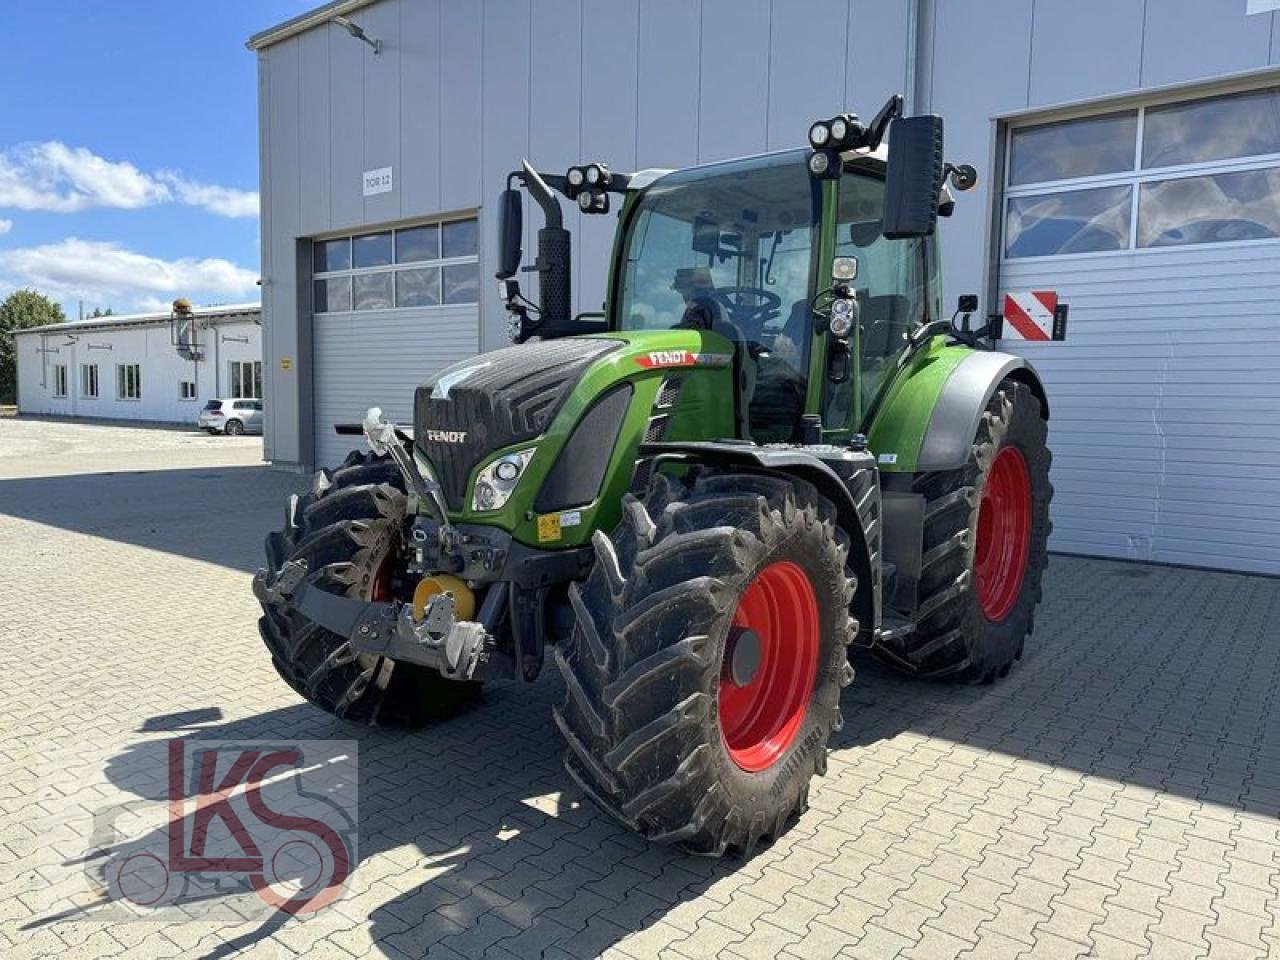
(760, 719)
(1004, 534)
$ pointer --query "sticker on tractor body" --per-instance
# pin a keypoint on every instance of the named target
(1034, 315)
(683, 358)
(548, 527)
(888, 458)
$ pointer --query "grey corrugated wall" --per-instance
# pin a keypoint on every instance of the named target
(463, 89)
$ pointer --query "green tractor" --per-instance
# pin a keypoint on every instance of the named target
(771, 446)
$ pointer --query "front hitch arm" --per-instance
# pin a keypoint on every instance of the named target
(458, 649)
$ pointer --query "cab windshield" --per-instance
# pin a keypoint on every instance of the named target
(731, 248)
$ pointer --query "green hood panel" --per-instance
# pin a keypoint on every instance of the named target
(697, 366)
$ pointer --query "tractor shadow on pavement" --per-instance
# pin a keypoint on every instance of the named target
(219, 514)
(471, 835)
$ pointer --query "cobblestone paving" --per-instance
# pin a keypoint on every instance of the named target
(1116, 796)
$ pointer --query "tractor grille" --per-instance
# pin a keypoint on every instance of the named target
(495, 400)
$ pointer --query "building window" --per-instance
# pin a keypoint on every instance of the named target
(1168, 174)
(246, 378)
(60, 380)
(128, 381)
(186, 389)
(427, 265)
(88, 379)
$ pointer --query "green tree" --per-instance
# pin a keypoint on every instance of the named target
(99, 312)
(20, 310)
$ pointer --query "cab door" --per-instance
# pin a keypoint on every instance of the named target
(897, 289)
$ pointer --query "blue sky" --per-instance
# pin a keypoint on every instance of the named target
(128, 149)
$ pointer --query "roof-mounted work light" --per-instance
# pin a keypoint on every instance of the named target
(588, 183)
(842, 132)
(593, 175)
(593, 201)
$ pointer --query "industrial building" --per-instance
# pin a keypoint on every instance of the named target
(141, 367)
(1128, 152)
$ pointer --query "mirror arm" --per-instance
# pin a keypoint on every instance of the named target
(538, 189)
(879, 124)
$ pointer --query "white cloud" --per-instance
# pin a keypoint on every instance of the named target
(5, 226)
(103, 272)
(55, 177)
(224, 201)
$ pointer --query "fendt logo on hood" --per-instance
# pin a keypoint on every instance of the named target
(683, 358)
(447, 436)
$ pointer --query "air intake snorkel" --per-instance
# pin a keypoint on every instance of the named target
(555, 293)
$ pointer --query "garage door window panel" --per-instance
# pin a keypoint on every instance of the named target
(371, 291)
(418, 288)
(1073, 148)
(418, 244)
(1071, 221)
(424, 265)
(333, 295)
(1217, 128)
(1218, 208)
(459, 238)
(1199, 171)
(462, 283)
(332, 255)
(371, 250)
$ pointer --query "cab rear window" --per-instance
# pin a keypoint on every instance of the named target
(213, 405)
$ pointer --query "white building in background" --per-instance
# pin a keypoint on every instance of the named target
(131, 367)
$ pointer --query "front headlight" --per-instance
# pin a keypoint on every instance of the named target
(498, 480)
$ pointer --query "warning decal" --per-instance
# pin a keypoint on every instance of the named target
(1030, 316)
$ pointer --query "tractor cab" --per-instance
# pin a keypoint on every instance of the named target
(749, 249)
(810, 262)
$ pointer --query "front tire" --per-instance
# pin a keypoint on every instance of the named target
(349, 531)
(704, 669)
(985, 548)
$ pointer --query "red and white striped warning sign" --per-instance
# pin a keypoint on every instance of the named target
(1029, 316)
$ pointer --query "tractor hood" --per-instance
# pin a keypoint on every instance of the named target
(594, 398)
(496, 400)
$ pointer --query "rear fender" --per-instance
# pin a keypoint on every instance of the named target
(931, 413)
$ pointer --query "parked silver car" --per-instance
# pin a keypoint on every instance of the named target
(232, 417)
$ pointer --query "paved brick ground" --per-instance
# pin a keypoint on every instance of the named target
(1117, 796)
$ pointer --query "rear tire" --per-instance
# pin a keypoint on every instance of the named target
(350, 533)
(975, 610)
(233, 428)
(659, 732)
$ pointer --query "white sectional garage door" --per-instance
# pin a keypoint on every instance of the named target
(392, 307)
(1161, 228)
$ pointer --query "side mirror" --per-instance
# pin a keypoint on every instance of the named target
(510, 233)
(913, 182)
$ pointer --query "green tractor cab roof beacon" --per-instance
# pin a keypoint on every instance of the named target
(770, 447)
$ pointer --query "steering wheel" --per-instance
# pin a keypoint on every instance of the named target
(747, 305)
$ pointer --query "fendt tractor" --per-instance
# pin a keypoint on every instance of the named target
(771, 446)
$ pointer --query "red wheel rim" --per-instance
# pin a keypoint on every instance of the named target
(380, 588)
(760, 719)
(1004, 534)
